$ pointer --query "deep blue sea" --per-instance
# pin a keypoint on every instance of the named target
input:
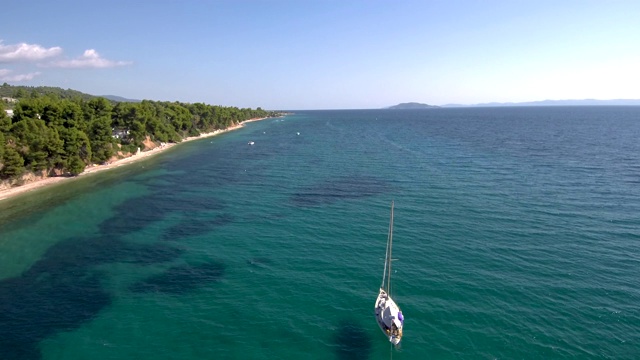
(517, 236)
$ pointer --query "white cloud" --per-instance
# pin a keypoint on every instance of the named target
(7, 75)
(26, 52)
(90, 59)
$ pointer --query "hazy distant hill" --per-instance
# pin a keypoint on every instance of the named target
(119, 98)
(20, 91)
(585, 102)
(412, 105)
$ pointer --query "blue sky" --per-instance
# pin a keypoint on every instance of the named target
(326, 54)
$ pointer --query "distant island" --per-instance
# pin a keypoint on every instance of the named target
(412, 105)
(584, 102)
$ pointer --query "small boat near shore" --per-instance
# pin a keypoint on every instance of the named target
(388, 314)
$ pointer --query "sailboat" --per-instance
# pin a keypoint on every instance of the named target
(388, 314)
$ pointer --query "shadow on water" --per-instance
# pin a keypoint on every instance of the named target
(195, 202)
(194, 226)
(135, 214)
(35, 307)
(58, 293)
(351, 341)
(63, 289)
(181, 194)
(336, 189)
(79, 254)
(181, 279)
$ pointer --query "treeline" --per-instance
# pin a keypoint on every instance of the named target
(20, 92)
(61, 136)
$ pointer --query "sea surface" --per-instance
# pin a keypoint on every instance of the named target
(516, 236)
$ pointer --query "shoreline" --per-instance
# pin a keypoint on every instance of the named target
(39, 184)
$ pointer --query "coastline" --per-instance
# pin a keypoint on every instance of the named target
(38, 184)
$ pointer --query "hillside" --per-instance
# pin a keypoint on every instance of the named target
(55, 132)
(20, 92)
(119, 98)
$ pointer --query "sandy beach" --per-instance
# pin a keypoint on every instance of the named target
(8, 193)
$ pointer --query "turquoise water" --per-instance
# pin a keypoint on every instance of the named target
(516, 232)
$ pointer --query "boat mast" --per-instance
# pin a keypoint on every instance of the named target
(386, 276)
(390, 241)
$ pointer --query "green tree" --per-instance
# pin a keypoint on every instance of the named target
(20, 93)
(39, 145)
(133, 118)
(27, 109)
(13, 164)
(101, 139)
(119, 115)
(71, 114)
(52, 113)
(96, 108)
(54, 148)
(2, 146)
(5, 121)
(76, 144)
(76, 166)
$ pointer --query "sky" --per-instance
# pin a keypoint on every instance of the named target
(325, 54)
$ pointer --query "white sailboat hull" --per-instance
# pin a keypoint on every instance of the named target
(388, 314)
(389, 317)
